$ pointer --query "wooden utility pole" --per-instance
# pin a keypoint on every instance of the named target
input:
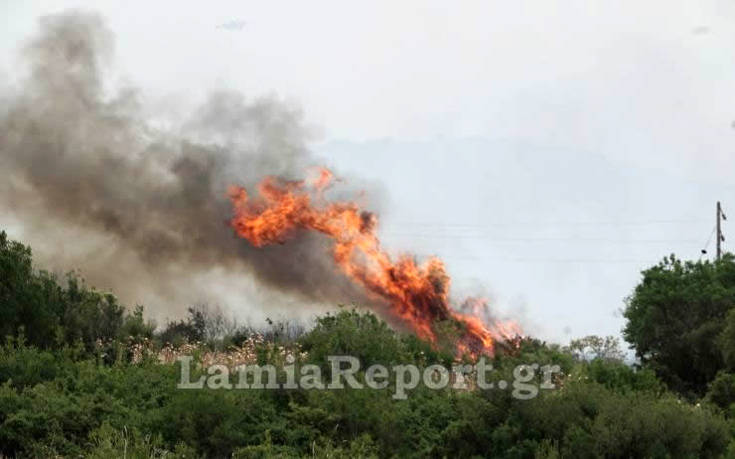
(720, 237)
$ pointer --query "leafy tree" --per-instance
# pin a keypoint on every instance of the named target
(596, 347)
(726, 341)
(191, 330)
(675, 317)
(350, 332)
(135, 326)
(47, 312)
(620, 377)
(722, 391)
(87, 315)
(27, 301)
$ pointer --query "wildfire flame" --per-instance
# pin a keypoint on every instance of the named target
(416, 293)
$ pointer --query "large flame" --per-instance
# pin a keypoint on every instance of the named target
(416, 293)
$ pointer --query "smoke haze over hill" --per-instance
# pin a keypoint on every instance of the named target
(143, 210)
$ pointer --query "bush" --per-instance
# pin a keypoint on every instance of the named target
(70, 386)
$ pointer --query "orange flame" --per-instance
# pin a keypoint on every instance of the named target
(417, 293)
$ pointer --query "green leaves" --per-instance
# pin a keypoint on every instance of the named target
(70, 387)
(675, 317)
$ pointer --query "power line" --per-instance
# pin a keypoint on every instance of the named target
(541, 239)
(539, 259)
(706, 244)
(438, 225)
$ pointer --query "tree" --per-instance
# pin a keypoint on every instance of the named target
(596, 347)
(47, 312)
(27, 300)
(675, 317)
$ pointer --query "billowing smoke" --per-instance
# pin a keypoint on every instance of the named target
(96, 185)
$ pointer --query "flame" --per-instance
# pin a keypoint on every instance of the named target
(417, 293)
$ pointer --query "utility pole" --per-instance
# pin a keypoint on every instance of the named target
(720, 237)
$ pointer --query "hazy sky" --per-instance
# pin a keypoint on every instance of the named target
(548, 151)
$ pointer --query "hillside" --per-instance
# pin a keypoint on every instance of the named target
(83, 376)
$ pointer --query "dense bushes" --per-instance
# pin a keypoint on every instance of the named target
(50, 313)
(61, 405)
(80, 377)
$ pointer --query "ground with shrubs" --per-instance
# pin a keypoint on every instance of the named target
(82, 376)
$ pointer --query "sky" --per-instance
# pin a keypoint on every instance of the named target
(548, 151)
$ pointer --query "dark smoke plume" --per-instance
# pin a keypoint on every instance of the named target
(96, 186)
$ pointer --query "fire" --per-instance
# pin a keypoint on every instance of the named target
(417, 293)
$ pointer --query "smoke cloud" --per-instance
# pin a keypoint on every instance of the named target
(140, 209)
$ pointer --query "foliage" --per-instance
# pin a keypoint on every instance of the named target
(595, 347)
(73, 384)
(48, 312)
(676, 319)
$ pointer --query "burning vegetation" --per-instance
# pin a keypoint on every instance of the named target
(415, 293)
(147, 202)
